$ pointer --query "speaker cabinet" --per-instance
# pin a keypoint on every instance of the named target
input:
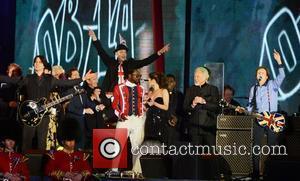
(239, 144)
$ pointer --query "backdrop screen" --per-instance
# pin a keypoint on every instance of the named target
(239, 34)
(59, 31)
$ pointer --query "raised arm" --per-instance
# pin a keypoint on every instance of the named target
(7, 79)
(107, 60)
(70, 83)
(19, 81)
(141, 63)
(280, 77)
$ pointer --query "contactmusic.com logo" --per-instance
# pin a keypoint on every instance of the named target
(110, 148)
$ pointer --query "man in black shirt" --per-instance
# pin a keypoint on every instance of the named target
(37, 86)
(228, 97)
(175, 110)
(117, 69)
(201, 104)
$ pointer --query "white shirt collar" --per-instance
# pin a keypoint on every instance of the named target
(130, 84)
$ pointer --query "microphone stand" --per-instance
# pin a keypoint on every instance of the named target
(254, 108)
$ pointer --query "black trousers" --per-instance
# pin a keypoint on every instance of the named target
(94, 121)
(202, 135)
(258, 135)
(39, 131)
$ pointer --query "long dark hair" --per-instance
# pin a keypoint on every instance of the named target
(42, 58)
(159, 78)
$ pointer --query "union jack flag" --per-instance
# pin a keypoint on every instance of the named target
(275, 122)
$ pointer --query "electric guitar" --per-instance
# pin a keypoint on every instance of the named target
(275, 121)
(31, 112)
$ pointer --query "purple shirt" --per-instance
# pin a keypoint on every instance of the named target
(267, 94)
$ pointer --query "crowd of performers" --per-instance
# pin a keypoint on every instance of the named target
(161, 114)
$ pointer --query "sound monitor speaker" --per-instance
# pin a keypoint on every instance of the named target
(239, 144)
(282, 168)
(156, 166)
(198, 167)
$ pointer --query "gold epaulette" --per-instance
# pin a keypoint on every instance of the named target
(51, 155)
(85, 156)
(24, 159)
(85, 173)
(58, 174)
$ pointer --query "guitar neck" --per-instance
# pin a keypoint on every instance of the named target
(245, 111)
(58, 101)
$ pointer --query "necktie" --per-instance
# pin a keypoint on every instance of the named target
(120, 74)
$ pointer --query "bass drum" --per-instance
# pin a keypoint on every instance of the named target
(29, 112)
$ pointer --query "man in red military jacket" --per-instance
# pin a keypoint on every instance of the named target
(12, 165)
(68, 164)
(128, 106)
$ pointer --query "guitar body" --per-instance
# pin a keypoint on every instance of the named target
(275, 122)
(32, 112)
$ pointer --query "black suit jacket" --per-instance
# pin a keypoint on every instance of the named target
(202, 114)
(77, 104)
(111, 76)
(37, 87)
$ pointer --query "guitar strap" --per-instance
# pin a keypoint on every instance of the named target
(269, 101)
(253, 101)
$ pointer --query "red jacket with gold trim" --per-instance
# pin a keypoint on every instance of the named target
(121, 99)
(61, 162)
(14, 163)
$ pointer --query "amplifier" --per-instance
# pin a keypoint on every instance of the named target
(240, 163)
(235, 122)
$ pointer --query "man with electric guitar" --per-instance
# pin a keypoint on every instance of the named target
(263, 99)
(37, 86)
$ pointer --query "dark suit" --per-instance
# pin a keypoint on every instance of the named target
(111, 76)
(97, 120)
(175, 109)
(75, 111)
(202, 117)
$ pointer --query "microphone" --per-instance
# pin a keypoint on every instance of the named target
(259, 78)
(145, 80)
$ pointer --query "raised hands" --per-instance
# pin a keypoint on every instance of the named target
(92, 35)
(89, 75)
(164, 49)
(277, 57)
